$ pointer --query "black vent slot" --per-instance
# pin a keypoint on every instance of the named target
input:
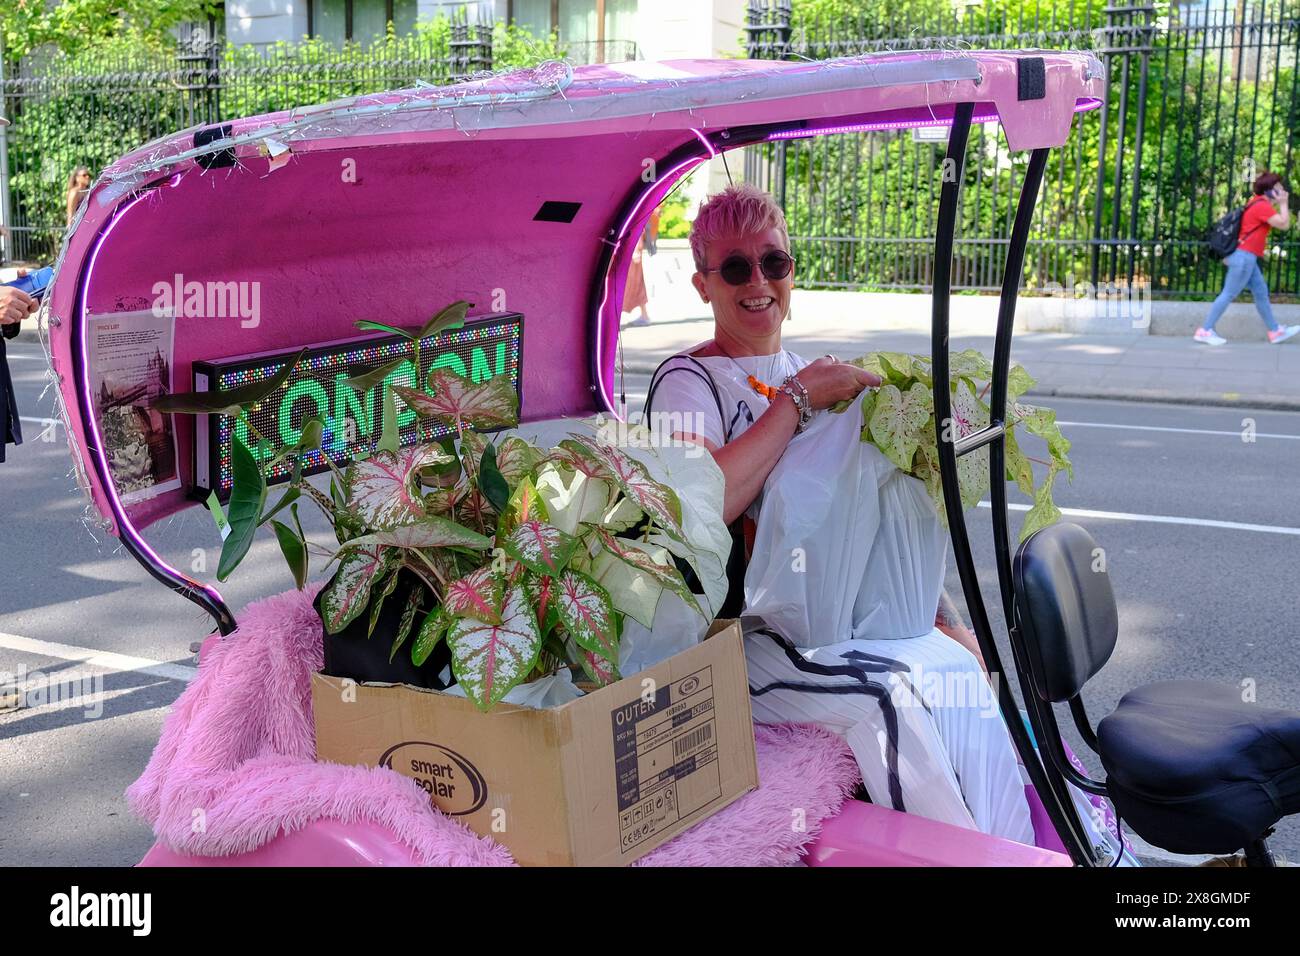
(554, 211)
(222, 157)
(1031, 78)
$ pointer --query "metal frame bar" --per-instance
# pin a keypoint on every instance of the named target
(1049, 786)
(208, 598)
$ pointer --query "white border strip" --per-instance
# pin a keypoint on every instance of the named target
(1162, 519)
(1180, 431)
(106, 659)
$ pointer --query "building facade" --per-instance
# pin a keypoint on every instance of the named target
(593, 30)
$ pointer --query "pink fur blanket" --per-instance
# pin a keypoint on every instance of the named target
(236, 765)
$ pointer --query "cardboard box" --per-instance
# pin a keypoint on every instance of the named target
(599, 781)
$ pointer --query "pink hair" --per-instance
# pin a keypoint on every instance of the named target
(736, 211)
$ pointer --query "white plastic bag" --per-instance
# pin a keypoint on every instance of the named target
(847, 547)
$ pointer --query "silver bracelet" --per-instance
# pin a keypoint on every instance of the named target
(799, 395)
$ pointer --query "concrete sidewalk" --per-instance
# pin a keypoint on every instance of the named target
(1114, 358)
(1128, 364)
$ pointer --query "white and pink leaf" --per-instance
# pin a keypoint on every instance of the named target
(489, 659)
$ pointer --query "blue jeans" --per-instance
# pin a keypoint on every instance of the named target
(1243, 271)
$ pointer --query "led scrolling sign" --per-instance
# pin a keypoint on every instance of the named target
(487, 346)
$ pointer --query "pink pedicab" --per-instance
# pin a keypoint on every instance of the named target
(534, 182)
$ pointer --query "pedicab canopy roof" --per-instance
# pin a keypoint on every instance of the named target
(519, 192)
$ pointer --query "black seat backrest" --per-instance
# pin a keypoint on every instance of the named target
(1065, 609)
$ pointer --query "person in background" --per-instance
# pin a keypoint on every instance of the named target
(15, 305)
(78, 186)
(1268, 210)
(636, 295)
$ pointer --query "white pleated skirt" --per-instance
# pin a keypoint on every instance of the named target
(919, 714)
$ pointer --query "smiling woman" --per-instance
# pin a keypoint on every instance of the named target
(841, 596)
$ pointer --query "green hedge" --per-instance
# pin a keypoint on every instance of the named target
(90, 107)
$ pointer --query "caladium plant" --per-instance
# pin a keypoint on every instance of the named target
(898, 418)
(528, 560)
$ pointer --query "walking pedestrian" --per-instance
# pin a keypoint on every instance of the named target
(78, 186)
(1269, 209)
(636, 293)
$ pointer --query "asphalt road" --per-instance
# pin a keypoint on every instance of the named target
(1196, 599)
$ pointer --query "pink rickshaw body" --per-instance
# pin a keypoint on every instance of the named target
(388, 206)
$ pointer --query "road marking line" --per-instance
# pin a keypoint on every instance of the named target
(1184, 431)
(105, 659)
(1162, 519)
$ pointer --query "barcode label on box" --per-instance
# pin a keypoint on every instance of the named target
(665, 757)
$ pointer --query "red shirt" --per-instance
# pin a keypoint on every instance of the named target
(1254, 226)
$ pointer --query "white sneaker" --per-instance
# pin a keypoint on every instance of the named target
(1283, 333)
(1209, 337)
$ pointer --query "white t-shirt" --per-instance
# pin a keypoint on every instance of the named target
(685, 393)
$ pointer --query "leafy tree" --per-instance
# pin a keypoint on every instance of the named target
(74, 25)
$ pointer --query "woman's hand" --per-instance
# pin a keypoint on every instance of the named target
(830, 381)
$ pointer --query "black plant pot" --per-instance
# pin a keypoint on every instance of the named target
(349, 653)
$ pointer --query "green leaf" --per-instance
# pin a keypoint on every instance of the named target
(366, 381)
(313, 430)
(585, 610)
(431, 633)
(478, 595)
(227, 401)
(448, 472)
(540, 591)
(654, 498)
(413, 601)
(429, 531)
(970, 363)
(599, 670)
(450, 318)
(294, 550)
(377, 601)
(1044, 511)
(1018, 382)
(1019, 469)
(455, 400)
(632, 591)
(569, 504)
(525, 504)
(247, 496)
(489, 659)
(541, 547)
(970, 415)
(516, 458)
(897, 421)
(491, 482)
(1041, 422)
(289, 497)
(648, 559)
(389, 440)
(348, 592)
(382, 488)
(368, 325)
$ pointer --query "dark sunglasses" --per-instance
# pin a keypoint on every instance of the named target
(737, 269)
